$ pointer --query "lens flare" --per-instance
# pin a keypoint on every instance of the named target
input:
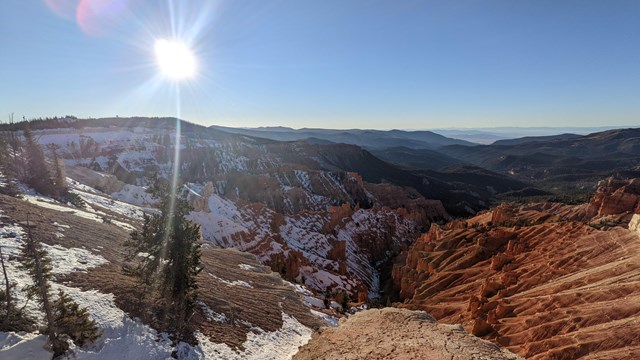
(175, 59)
(101, 17)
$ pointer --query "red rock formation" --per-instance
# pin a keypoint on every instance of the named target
(544, 286)
(615, 197)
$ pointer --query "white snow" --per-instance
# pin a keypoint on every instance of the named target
(221, 223)
(260, 345)
(88, 213)
(212, 315)
(256, 229)
(303, 178)
(313, 301)
(247, 267)
(330, 320)
(135, 195)
(241, 283)
(24, 346)
(67, 260)
(128, 210)
(300, 289)
(122, 338)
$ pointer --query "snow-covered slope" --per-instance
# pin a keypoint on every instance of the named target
(330, 249)
(123, 337)
(294, 205)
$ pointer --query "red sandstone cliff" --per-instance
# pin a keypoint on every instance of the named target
(547, 281)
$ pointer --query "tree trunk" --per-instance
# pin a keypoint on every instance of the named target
(6, 285)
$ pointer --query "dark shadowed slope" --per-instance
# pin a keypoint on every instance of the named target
(416, 158)
(528, 139)
(559, 164)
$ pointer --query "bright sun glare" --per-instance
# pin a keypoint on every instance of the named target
(175, 59)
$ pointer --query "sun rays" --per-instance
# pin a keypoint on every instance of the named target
(175, 60)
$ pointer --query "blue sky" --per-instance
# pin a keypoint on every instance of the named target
(331, 63)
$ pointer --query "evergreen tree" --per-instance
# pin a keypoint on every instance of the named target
(33, 259)
(144, 255)
(14, 163)
(4, 149)
(38, 175)
(167, 252)
(64, 317)
(74, 321)
(11, 318)
(5, 294)
(60, 177)
(183, 265)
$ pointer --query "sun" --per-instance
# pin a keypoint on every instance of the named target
(175, 60)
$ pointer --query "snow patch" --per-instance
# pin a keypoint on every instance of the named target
(241, 283)
(330, 320)
(67, 260)
(89, 213)
(260, 345)
(122, 337)
(23, 346)
(247, 267)
(135, 195)
(212, 315)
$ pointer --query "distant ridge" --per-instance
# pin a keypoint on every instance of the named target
(528, 139)
(370, 139)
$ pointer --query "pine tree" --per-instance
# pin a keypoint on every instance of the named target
(5, 294)
(166, 252)
(14, 164)
(74, 321)
(182, 267)
(38, 175)
(33, 259)
(11, 317)
(63, 317)
(144, 255)
(4, 149)
(60, 178)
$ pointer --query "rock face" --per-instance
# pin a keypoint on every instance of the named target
(634, 223)
(336, 249)
(104, 182)
(615, 197)
(398, 334)
(548, 281)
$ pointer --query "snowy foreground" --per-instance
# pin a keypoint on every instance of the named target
(123, 337)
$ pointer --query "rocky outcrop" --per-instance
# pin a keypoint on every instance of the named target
(614, 196)
(634, 223)
(398, 334)
(548, 281)
(200, 201)
(106, 183)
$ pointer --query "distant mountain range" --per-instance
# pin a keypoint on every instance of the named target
(466, 177)
(370, 139)
(490, 135)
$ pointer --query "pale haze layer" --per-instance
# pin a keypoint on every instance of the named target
(330, 64)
